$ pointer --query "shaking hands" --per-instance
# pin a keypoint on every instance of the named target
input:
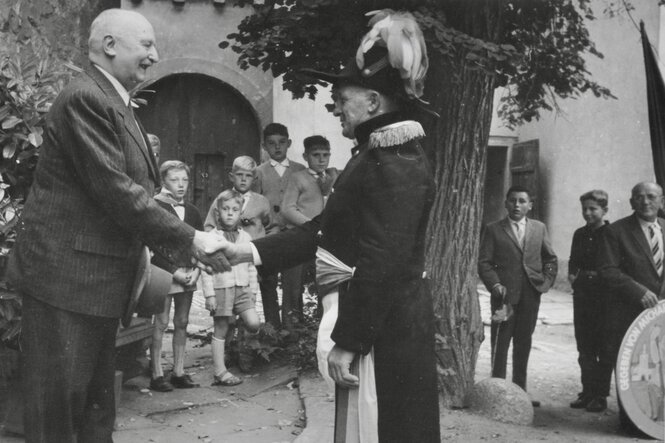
(214, 253)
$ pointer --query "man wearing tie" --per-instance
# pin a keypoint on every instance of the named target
(631, 264)
(516, 263)
(88, 215)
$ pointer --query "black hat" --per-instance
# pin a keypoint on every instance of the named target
(391, 59)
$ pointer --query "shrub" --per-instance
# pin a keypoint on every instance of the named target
(30, 79)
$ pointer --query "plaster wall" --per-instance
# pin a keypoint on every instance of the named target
(307, 117)
(187, 40)
(595, 143)
(188, 36)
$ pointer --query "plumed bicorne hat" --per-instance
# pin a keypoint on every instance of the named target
(391, 59)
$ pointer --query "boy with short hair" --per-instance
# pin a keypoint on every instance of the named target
(271, 180)
(175, 181)
(304, 199)
(516, 263)
(590, 305)
(230, 293)
(255, 216)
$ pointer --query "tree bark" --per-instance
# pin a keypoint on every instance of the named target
(464, 98)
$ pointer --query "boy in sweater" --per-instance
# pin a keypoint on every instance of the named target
(304, 199)
(230, 293)
(271, 180)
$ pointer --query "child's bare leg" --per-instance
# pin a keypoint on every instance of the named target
(247, 334)
(251, 320)
(218, 344)
(183, 302)
(161, 322)
(222, 375)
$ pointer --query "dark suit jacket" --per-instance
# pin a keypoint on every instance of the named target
(502, 260)
(627, 268)
(91, 205)
(170, 260)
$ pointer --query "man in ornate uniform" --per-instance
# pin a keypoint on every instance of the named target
(374, 226)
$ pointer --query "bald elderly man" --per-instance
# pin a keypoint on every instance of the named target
(89, 212)
(631, 264)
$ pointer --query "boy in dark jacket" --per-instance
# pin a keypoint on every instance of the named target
(590, 305)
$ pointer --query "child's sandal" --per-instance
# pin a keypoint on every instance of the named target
(232, 380)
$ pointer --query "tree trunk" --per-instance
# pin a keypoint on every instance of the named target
(464, 98)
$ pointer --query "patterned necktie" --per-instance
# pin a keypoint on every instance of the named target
(520, 233)
(322, 180)
(656, 250)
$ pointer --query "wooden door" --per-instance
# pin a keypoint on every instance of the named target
(524, 171)
(209, 179)
(495, 176)
(205, 123)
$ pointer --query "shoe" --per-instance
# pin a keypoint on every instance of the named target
(231, 380)
(581, 402)
(597, 404)
(535, 403)
(183, 382)
(159, 384)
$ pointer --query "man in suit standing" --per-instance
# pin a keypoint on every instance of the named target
(516, 263)
(88, 214)
(631, 264)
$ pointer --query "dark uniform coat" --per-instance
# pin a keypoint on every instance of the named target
(375, 221)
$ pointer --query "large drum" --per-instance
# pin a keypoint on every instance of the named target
(640, 371)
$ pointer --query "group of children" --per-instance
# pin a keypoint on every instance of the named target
(516, 263)
(279, 194)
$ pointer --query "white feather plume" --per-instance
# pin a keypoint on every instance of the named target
(400, 34)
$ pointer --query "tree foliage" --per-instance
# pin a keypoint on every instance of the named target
(538, 55)
(536, 49)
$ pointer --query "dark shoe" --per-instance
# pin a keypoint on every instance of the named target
(535, 403)
(159, 384)
(582, 401)
(597, 404)
(183, 382)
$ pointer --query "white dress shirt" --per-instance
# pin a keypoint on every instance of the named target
(280, 167)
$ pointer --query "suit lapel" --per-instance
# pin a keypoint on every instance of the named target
(640, 238)
(145, 148)
(136, 132)
(505, 224)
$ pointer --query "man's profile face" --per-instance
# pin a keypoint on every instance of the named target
(352, 107)
(133, 51)
(646, 201)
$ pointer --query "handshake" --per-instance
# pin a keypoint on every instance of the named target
(213, 253)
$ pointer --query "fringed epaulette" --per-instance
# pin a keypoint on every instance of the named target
(396, 134)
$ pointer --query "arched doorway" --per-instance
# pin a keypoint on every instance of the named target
(205, 123)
